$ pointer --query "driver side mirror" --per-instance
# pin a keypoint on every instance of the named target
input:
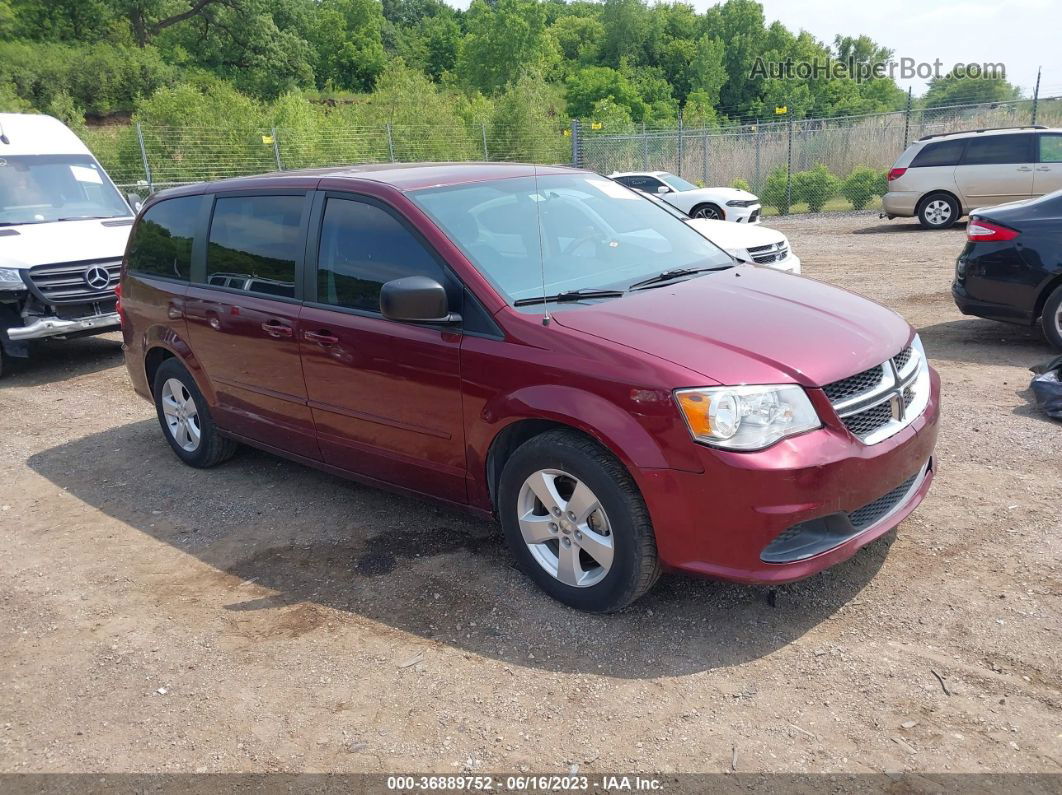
(135, 201)
(663, 189)
(416, 299)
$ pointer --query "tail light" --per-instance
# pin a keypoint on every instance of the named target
(979, 230)
(118, 305)
(896, 173)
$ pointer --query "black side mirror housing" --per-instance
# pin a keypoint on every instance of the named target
(135, 201)
(416, 299)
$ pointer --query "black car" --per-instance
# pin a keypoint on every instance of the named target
(1011, 268)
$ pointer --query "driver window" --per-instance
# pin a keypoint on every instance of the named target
(362, 247)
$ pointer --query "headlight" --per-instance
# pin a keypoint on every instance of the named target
(11, 279)
(740, 203)
(746, 417)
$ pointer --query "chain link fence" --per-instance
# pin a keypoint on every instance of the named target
(793, 165)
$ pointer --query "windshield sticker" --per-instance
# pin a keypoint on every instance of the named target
(86, 174)
(610, 188)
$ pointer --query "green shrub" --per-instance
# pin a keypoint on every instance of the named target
(100, 78)
(774, 190)
(815, 187)
(741, 184)
(863, 184)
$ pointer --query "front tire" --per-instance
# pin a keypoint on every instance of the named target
(938, 211)
(1051, 319)
(709, 212)
(185, 418)
(576, 523)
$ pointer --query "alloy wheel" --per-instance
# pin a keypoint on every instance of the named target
(565, 528)
(710, 213)
(938, 212)
(182, 415)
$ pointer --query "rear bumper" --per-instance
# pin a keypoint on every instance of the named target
(900, 203)
(989, 310)
(720, 522)
(57, 327)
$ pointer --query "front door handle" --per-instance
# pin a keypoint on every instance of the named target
(1024, 168)
(1044, 168)
(174, 311)
(322, 337)
(277, 330)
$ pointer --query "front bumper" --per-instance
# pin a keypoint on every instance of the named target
(720, 522)
(743, 215)
(57, 327)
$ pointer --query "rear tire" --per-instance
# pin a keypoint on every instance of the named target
(1051, 320)
(938, 211)
(590, 542)
(185, 418)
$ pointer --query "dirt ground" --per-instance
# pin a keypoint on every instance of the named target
(263, 616)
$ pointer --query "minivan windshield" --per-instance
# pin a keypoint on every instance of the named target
(39, 188)
(565, 233)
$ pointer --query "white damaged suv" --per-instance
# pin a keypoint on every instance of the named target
(63, 231)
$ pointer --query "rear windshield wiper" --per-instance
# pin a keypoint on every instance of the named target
(676, 273)
(569, 295)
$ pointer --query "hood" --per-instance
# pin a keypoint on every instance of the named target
(62, 241)
(723, 194)
(736, 237)
(749, 325)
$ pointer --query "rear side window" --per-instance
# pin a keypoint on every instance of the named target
(362, 247)
(997, 150)
(1051, 148)
(254, 243)
(941, 153)
(162, 240)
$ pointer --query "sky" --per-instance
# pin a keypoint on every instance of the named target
(1021, 34)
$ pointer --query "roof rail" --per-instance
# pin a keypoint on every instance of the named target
(985, 129)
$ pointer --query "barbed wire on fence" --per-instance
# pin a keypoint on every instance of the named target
(752, 154)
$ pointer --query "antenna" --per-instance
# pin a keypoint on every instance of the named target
(541, 251)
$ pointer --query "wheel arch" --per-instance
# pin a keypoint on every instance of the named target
(1045, 292)
(536, 410)
(160, 344)
(935, 192)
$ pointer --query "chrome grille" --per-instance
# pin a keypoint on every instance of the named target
(764, 255)
(75, 282)
(866, 422)
(854, 385)
(878, 402)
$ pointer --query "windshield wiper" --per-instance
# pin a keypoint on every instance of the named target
(570, 295)
(676, 273)
(86, 217)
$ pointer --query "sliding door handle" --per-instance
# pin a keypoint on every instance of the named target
(277, 330)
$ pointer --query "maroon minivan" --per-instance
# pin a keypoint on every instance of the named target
(540, 345)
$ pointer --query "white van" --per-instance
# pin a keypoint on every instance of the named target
(63, 230)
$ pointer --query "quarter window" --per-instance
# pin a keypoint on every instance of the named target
(254, 243)
(162, 241)
(1051, 148)
(942, 153)
(997, 150)
(362, 247)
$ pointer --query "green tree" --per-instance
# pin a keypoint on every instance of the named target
(955, 90)
(626, 24)
(346, 37)
(504, 42)
(579, 38)
(589, 85)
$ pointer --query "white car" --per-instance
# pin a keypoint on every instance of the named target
(753, 244)
(717, 204)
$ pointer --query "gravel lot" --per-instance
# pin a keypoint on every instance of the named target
(263, 616)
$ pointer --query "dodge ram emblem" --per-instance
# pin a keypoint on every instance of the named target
(97, 277)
